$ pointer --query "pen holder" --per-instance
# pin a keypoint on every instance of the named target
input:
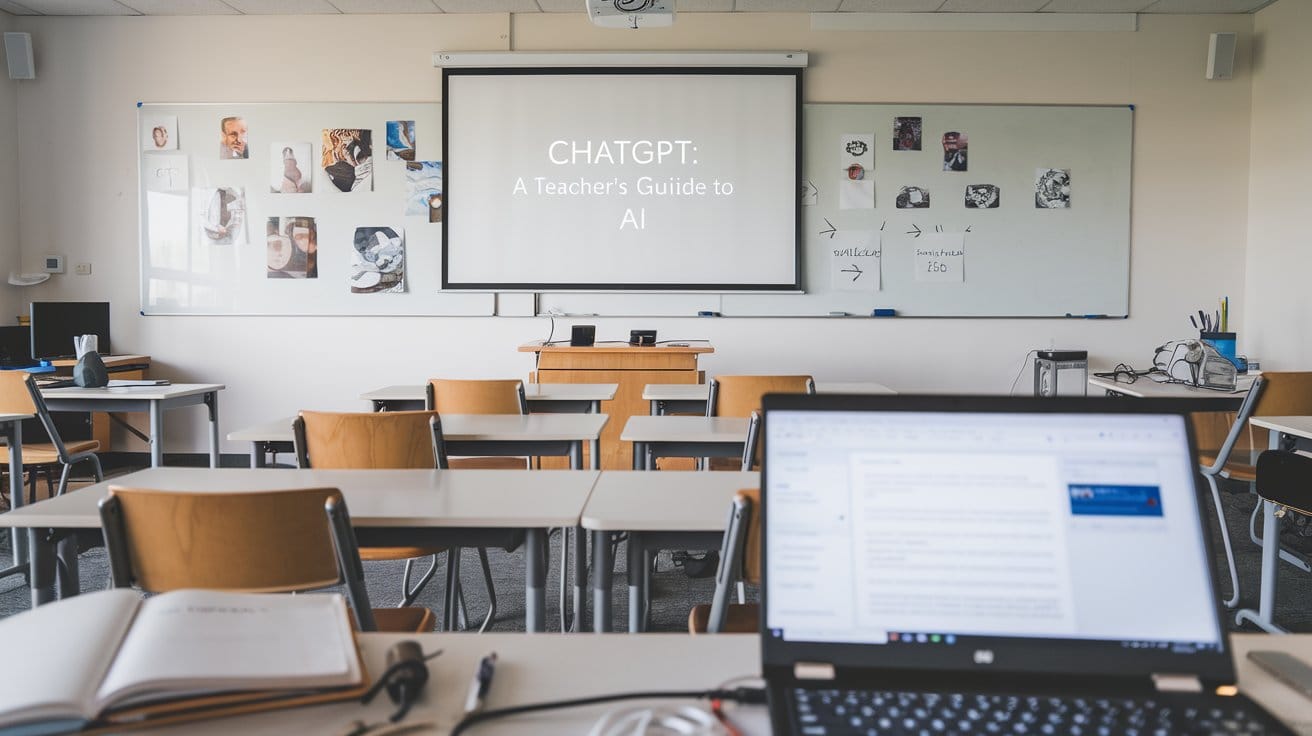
(1224, 342)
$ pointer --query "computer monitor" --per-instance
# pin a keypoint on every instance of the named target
(15, 346)
(55, 324)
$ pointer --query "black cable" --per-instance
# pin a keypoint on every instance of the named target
(738, 695)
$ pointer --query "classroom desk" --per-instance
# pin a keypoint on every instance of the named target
(659, 511)
(394, 508)
(154, 400)
(690, 398)
(667, 436)
(529, 670)
(546, 398)
(1279, 429)
(503, 435)
(11, 427)
(1205, 399)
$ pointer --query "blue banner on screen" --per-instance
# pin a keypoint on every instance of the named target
(1107, 500)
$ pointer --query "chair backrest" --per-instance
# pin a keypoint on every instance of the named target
(1285, 394)
(751, 498)
(476, 396)
(256, 542)
(19, 394)
(349, 440)
(1282, 478)
(740, 556)
(739, 396)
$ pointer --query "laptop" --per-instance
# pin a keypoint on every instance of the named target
(990, 565)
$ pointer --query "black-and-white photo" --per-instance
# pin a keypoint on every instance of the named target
(983, 196)
(912, 198)
(378, 261)
(954, 151)
(1052, 188)
(906, 134)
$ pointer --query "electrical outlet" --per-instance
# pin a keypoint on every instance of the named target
(82, 269)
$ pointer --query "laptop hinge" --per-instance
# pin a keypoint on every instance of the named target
(1168, 683)
(813, 671)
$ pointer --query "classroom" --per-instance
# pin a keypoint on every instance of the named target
(1171, 128)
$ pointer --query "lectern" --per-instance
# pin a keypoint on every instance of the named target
(632, 367)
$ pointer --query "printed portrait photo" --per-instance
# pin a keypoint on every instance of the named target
(290, 168)
(348, 159)
(159, 133)
(293, 244)
(906, 134)
(232, 138)
(954, 151)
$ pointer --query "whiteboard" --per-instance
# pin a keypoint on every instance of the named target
(186, 271)
(1019, 260)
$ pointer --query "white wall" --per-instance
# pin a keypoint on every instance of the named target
(77, 127)
(10, 256)
(1279, 276)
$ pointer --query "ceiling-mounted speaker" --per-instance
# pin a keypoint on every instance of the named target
(1221, 56)
(18, 52)
(631, 13)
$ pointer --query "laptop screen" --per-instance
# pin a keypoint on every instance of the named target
(915, 529)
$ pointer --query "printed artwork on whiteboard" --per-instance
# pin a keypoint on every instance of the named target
(856, 164)
(940, 257)
(292, 248)
(1052, 189)
(159, 133)
(166, 173)
(290, 168)
(855, 260)
(378, 261)
(222, 215)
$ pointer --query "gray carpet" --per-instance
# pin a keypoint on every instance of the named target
(673, 593)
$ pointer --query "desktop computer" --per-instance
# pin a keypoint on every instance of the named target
(55, 324)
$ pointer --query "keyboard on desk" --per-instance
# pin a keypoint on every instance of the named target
(884, 713)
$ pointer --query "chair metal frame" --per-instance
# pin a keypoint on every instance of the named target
(66, 459)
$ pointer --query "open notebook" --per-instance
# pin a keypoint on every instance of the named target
(112, 657)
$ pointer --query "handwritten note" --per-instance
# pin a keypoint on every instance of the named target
(855, 257)
(940, 257)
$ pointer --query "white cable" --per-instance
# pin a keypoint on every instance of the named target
(685, 721)
(1026, 361)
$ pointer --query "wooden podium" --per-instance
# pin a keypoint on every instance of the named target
(629, 366)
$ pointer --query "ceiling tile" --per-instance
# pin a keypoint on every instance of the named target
(492, 6)
(1204, 6)
(283, 7)
(992, 6)
(1096, 6)
(787, 6)
(364, 7)
(180, 7)
(890, 6)
(78, 7)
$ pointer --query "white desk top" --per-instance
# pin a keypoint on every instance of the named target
(1294, 426)
(699, 391)
(375, 498)
(470, 428)
(147, 393)
(1146, 388)
(14, 417)
(530, 667)
(683, 429)
(629, 500)
(532, 391)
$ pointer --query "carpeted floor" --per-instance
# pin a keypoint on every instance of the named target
(673, 593)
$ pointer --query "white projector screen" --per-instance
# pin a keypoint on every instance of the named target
(615, 179)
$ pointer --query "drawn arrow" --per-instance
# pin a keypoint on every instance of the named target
(855, 269)
(968, 227)
(809, 190)
(881, 227)
(830, 232)
(915, 232)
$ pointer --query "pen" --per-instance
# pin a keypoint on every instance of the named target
(482, 681)
(1193, 321)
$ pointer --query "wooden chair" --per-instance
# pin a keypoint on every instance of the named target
(740, 559)
(479, 396)
(388, 440)
(740, 396)
(1272, 394)
(255, 542)
(19, 395)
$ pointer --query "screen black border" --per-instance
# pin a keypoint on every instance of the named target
(1010, 655)
(611, 70)
(103, 343)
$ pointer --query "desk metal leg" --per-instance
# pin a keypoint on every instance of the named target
(1263, 616)
(14, 435)
(639, 455)
(580, 576)
(637, 563)
(156, 435)
(44, 552)
(535, 580)
(257, 454)
(212, 403)
(602, 569)
(69, 581)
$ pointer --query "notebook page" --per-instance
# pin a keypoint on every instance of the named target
(62, 649)
(189, 640)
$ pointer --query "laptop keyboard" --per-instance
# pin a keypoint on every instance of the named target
(877, 713)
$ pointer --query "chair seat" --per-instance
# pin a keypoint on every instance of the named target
(1232, 470)
(410, 620)
(488, 463)
(45, 453)
(741, 619)
(398, 553)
